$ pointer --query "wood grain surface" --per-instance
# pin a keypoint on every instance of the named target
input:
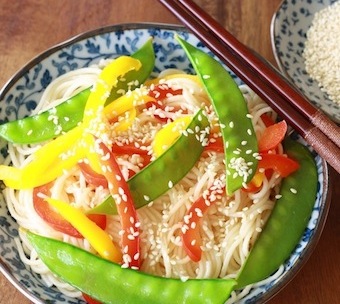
(28, 27)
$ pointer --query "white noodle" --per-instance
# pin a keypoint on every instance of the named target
(229, 227)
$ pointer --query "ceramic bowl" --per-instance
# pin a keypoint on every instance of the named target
(289, 26)
(21, 93)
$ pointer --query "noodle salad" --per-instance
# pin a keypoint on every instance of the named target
(143, 181)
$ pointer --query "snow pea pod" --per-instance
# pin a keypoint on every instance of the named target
(64, 117)
(110, 283)
(168, 169)
(287, 221)
(240, 143)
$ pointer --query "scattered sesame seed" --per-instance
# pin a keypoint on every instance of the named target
(293, 190)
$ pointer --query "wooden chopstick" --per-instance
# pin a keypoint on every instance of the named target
(270, 85)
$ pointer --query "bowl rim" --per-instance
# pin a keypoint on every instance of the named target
(78, 37)
(326, 195)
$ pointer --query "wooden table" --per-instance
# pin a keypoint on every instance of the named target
(28, 27)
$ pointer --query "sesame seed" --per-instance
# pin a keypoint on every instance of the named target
(170, 184)
(293, 190)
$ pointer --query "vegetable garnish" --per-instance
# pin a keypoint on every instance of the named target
(272, 136)
(54, 219)
(191, 224)
(110, 283)
(165, 137)
(287, 221)
(68, 114)
(128, 217)
(240, 146)
(66, 150)
(98, 238)
(153, 181)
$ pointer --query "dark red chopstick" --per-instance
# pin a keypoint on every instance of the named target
(204, 28)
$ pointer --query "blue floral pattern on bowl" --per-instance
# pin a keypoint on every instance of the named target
(22, 92)
(288, 33)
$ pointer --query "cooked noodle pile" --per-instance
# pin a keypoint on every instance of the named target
(228, 228)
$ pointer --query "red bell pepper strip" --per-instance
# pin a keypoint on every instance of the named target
(272, 136)
(267, 120)
(162, 91)
(90, 300)
(54, 219)
(91, 176)
(97, 180)
(191, 237)
(281, 164)
(159, 93)
(129, 221)
(215, 144)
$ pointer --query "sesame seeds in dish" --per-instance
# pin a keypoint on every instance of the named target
(322, 50)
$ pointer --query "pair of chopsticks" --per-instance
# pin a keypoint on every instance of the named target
(312, 124)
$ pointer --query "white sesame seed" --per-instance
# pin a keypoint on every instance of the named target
(293, 190)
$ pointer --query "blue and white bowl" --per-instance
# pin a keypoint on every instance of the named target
(289, 26)
(20, 96)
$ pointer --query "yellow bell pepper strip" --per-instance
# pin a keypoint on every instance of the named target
(121, 194)
(108, 78)
(53, 218)
(126, 102)
(48, 162)
(98, 238)
(166, 136)
(125, 121)
(66, 150)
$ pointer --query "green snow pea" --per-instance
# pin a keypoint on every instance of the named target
(168, 169)
(39, 127)
(239, 137)
(110, 283)
(287, 221)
